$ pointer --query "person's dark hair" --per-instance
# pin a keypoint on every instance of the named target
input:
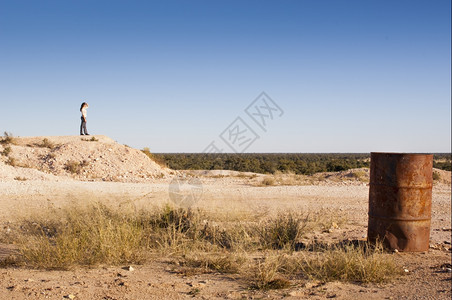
(83, 105)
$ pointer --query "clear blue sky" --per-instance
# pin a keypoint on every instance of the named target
(350, 76)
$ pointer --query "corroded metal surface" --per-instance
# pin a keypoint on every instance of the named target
(400, 200)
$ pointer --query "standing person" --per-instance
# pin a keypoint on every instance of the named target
(83, 108)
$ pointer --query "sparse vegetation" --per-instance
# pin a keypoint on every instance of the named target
(158, 159)
(194, 291)
(436, 176)
(46, 144)
(75, 167)
(259, 248)
(261, 252)
(241, 175)
(264, 274)
(212, 262)
(6, 151)
(327, 220)
(92, 139)
(283, 231)
(268, 181)
(360, 175)
(81, 236)
(7, 138)
(350, 262)
(12, 162)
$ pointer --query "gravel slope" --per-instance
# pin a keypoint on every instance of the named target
(94, 158)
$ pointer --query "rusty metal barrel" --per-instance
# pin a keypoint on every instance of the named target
(400, 200)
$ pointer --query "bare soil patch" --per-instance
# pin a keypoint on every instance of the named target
(230, 196)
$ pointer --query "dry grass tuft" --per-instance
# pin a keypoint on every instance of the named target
(360, 175)
(61, 239)
(11, 161)
(14, 163)
(325, 220)
(263, 274)
(46, 144)
(178, 231)
(350, 262)
(75, 167)
(173, 230)
(225, 262)
(283, 231)
(6, 151)
(436, 176)
(7, 139)
(268, 181)
(93, 139)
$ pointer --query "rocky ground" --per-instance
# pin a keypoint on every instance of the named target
(39, 178)
(85, 158)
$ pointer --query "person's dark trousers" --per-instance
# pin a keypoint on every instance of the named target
(83, 127)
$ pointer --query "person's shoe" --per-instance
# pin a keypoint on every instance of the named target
(81, 134)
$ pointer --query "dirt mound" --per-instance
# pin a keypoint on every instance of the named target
(87, 158)
(8, 173)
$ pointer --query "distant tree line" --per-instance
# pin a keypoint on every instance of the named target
(298, 163)
(442, 161)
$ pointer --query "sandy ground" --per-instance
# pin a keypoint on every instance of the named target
(121, 176)
(426, 279)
